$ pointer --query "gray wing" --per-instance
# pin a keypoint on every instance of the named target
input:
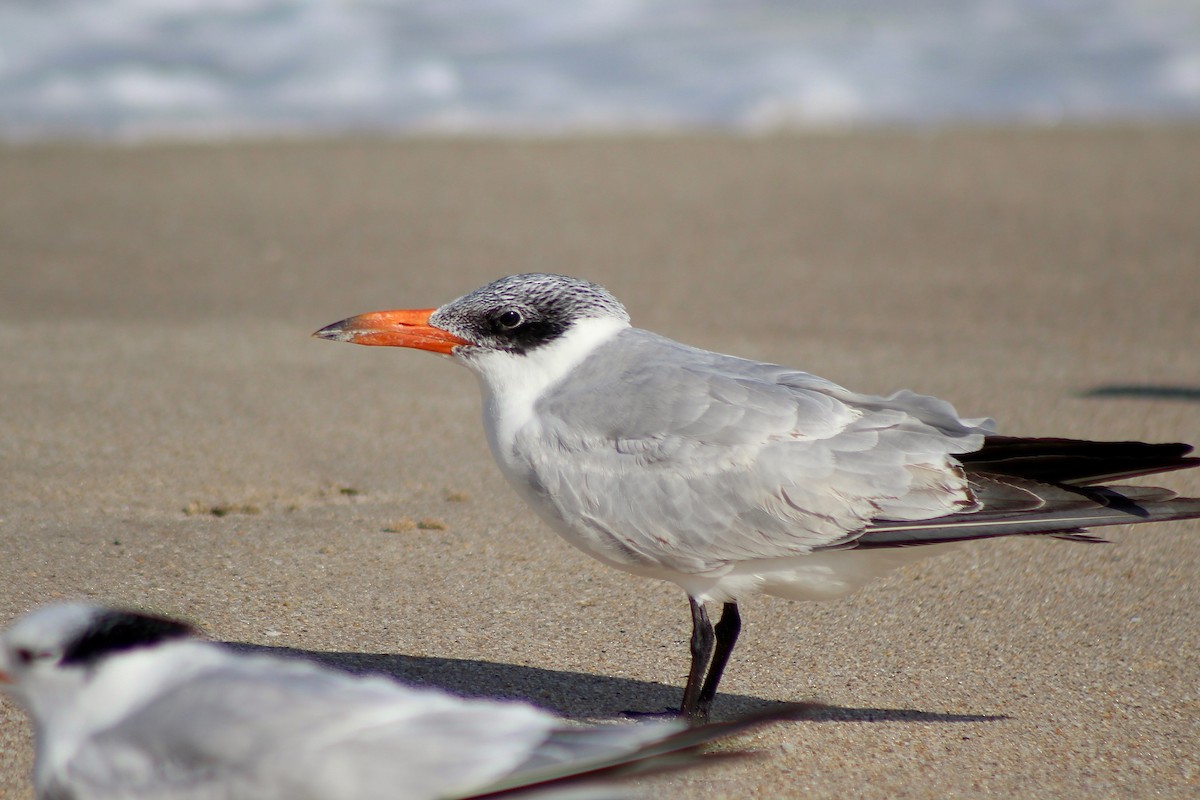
(580, 761)
(1037, 486)
(688, 459)
(263, 728)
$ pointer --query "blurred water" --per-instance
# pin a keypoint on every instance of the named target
(200, 68)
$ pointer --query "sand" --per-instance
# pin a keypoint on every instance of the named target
(172, 438)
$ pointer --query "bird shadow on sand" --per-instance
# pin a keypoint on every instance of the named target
(577, 695)
(1139, 391)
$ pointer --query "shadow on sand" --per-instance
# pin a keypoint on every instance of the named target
(577, 695)
(1145, 392)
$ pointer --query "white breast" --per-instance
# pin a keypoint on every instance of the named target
(512, 383)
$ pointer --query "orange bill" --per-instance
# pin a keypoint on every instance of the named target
(401, 328)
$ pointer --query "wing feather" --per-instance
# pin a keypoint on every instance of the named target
(265, 728)
(732, 459)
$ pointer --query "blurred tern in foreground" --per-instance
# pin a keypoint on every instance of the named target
(728, 476)
(126, 704)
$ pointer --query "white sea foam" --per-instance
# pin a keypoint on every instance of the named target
(145, 68)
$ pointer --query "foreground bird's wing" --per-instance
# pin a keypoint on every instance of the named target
(572, 759)
(670, 456)
(267, 728)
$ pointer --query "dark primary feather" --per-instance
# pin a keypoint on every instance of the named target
(678, 750)
(1048, 486)
(1074, 461)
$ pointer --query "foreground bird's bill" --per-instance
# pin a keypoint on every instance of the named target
(404, 328)
(132, 705)
(729, 476)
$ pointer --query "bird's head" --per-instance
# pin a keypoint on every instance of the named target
(48, 655)
(521, 318)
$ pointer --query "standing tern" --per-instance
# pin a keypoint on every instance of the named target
(728, 476)
(127, 704)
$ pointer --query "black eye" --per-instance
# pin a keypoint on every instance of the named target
(24, 657)
(510, 319)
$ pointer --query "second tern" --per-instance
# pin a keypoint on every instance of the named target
(127, 704)
(729, 476)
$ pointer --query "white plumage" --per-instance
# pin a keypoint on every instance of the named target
(130, 705)
(728, 476)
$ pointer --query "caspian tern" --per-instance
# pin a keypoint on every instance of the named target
(728, 476)
(126, 704)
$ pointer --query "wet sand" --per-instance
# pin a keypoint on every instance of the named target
(172, 438)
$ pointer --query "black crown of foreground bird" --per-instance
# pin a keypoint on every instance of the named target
(729, 476)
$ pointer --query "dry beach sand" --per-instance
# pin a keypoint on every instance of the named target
(171, 437)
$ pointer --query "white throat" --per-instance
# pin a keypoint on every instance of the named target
(93, 701)
(512, 383)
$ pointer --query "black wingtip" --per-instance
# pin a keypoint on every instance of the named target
(1077, 462)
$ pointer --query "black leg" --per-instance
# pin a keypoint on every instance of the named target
(727, 631)
(702, 647)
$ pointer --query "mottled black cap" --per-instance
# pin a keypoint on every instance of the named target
(521, 312)
(116, 630)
